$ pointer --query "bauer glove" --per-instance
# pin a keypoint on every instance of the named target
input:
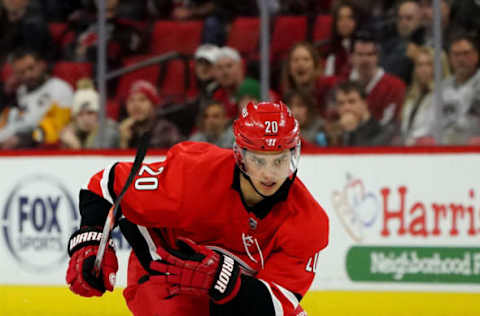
(198, 270)
(82, 249)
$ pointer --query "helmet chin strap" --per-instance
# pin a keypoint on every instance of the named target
(258, 192)
(253, 185)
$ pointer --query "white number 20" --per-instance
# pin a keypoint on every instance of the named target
(271, 127)
(147, 183)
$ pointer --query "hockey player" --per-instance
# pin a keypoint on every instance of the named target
(213, 232)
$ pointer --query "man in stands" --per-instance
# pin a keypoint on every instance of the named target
(397, 49)
(458, 116)
(359, 127)
(229, 74)
(214, 127)
(385, 92)
(43, 104)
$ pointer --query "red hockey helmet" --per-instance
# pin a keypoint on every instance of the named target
(267, 127)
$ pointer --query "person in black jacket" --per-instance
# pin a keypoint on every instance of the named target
(359, 127)
(23, 25)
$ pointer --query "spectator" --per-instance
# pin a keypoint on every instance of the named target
(205, 58)
(141, 105)
(466, 14)
(304, 109)
(359, 126)
(124, 36)
(83, 131)
(418, 113)
(43, 103)
(302, 71)
(214, 127)
(385, 92)
(426, 7)
(397, 47)
(229, 74)
(22, 25)
(346, 19)
(460, 92)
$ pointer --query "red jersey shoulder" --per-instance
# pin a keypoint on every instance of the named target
(307, 229)
(169, 185)
(199, 159)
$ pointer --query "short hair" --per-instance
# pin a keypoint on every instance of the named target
(351, 86)
(364, 36)
(460, 35)
(23, 52)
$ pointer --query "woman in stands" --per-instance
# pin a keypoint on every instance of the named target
(418, 117)
(346, 20)
(303, 71)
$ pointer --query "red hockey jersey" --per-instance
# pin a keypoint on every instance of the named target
(190, 194)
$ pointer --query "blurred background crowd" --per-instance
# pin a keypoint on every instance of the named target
(354, 72)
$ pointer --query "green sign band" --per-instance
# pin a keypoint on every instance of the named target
(414, 264)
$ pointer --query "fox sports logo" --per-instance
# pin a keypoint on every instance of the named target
(38, 217)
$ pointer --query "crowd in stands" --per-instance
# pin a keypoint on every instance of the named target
(353, 72)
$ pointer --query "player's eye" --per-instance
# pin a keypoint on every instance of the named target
(258, 161)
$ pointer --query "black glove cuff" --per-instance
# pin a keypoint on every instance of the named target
(226, 278)
(86, 236)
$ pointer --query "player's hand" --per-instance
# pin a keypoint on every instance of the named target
(82, 248)
(197, 270)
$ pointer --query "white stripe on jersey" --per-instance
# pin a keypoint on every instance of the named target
(277, 305)
(289, 295)
(104, 184)
(151, 245)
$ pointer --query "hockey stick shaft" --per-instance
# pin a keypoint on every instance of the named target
(112, 213)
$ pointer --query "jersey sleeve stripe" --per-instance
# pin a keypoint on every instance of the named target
(151, 244)
(289, 295)
(104, 184)
(277, 305)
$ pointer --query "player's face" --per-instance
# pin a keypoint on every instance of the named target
(268, 170)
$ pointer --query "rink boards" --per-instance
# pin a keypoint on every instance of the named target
(405, 226)
(59, 301)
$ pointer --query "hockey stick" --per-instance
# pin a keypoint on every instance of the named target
(112, 213)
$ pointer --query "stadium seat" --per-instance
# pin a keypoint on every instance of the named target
(181, 36)
(57, 32)
(6, 72)
(287, 31)
(113, 109)
(322, 28)
(244, 35)
(177, 80)
(149, 74)
(71, 71)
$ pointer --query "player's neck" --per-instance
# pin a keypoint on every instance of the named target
(250, 196)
